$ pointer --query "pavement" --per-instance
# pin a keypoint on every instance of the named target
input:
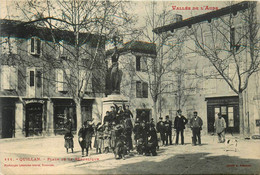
(47, 155)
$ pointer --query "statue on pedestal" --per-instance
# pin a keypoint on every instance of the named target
(114, 74)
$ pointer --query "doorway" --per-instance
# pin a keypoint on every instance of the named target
(228, 108)
(34, 117)
(8, 121)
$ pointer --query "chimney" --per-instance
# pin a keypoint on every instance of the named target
(177, 17)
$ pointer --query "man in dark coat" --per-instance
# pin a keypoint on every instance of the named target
(161, 129)
(196, 126)
(179, 124)
(85, 135)
(168, 130)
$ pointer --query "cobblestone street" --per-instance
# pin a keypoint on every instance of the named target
(48, 155)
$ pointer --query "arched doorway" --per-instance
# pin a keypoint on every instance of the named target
(34, 117)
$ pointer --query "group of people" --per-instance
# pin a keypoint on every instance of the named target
(165, 128)
(115, 134)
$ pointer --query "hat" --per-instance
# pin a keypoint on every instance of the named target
(195, 112)
(179, 110)
(160, 118)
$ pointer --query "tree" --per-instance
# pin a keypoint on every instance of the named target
(93, 22)
(232, 49)
(160, 69)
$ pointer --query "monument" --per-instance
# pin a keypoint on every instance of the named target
(113, 81)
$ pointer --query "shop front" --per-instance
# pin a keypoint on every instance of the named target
(64, 109)
(7, 117)
(228, 108)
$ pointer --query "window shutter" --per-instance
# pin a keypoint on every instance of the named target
(145, 90)
(38, 42)
(82, 80)
(138, 89)
(39, 78)
(89, 82)
(59, 79)
(13, 78)
(66, 79)
(5, 77)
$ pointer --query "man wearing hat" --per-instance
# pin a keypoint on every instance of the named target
(196, 125)
(179, 125)
(168, 130)
(161, 129)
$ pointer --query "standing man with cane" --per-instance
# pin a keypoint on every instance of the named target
(179, 125)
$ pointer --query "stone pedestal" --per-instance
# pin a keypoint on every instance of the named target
(112, 99)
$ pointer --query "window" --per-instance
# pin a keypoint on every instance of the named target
(138, 63)
(236, 37)
(85, 78)
(9, 45)
(35, 46)
(9, 78)
(141, 89)
(62, 78)
(31, 78)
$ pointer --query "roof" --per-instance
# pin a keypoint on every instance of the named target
(203, 17)
(20, 29)
(136, 46)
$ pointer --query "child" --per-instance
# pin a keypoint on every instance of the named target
(69, 141)
(106, 138)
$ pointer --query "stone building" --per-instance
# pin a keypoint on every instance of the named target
(135, 86)
(201, 86)
(43, 83)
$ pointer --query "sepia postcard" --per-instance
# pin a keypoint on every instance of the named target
(129, 87)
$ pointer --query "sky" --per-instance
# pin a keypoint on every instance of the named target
(142, 8)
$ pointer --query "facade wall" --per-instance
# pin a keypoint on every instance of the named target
(214, 88)
(28, 99)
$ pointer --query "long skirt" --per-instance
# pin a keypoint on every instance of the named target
(69, 143)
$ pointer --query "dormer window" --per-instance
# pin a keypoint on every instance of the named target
(35, 46)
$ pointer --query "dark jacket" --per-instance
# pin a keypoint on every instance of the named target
(86, 135)
(138, 131)
(168, 126)
(160, 126)
(196, 123)
(180, 122)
